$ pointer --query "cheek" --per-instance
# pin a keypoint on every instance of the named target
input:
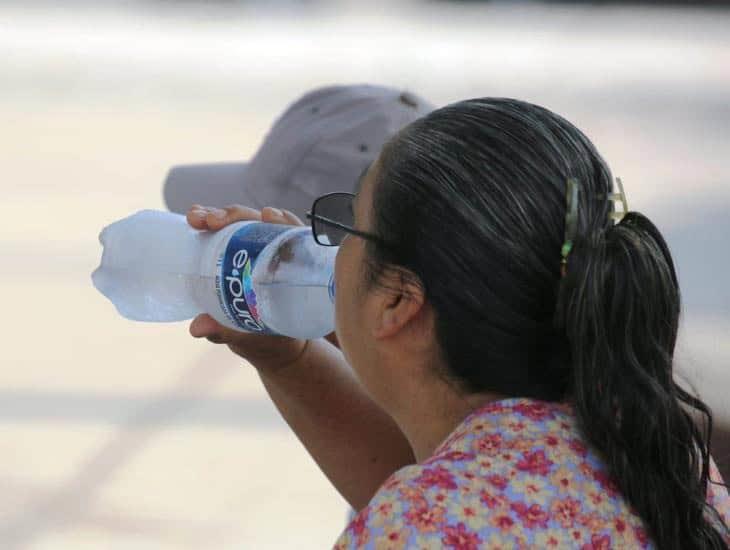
(340, 286)
(344, 278)
(347, 309)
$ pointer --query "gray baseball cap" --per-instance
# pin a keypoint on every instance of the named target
(321, 143)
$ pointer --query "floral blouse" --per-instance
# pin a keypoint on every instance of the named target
(515, 474)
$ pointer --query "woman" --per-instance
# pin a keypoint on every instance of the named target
(511, 349)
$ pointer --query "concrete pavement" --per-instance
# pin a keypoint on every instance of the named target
(115, 434)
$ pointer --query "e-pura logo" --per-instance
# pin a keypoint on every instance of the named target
(240, 287)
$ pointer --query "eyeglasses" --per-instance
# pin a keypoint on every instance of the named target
(333, 218)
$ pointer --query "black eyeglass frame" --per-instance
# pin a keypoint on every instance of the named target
(314, 217)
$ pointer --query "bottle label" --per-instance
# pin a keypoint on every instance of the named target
(235, 283)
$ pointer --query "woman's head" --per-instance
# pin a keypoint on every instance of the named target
(473, 198)
(471, 201)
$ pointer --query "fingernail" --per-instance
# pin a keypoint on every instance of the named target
(278, 213)
(218, 213)
(200, 214)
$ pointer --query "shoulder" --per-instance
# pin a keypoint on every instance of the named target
(431, 505)
(469, 489)
(382, 519)
(511, 475)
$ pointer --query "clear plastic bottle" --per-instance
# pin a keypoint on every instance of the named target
(248, 276)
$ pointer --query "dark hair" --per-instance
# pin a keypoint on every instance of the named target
(474, 198)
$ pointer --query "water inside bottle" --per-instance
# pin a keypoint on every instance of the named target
(296, 308)
(292, 283)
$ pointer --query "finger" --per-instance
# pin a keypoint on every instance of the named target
(196, 217)
(220, 217)
(275, 215)
(292, 218)
(269, 214)
(204, 325)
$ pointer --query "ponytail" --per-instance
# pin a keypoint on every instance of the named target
(620, 304)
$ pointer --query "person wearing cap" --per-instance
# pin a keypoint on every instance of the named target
(321, 143)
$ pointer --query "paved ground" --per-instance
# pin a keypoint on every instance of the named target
(122, 435)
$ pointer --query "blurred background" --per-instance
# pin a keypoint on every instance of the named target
(115, 434)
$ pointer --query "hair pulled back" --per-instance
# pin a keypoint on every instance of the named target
(473, 197)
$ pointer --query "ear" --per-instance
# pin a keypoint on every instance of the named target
(401, 302)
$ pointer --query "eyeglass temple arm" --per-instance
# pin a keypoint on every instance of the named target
(346, 228)
(330, 222)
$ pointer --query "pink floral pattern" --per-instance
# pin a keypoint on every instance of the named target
(515, 474)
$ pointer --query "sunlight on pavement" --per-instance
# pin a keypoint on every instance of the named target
(138, 435)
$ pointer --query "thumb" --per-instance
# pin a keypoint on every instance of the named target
(204, 325)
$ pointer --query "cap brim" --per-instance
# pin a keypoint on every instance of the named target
(219, 185)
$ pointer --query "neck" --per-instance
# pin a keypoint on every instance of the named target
(433, 411)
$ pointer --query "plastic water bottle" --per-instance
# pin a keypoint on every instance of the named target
(249, 276)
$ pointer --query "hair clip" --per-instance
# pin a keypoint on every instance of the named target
(571, 215)
(620, 196)
(571, 221)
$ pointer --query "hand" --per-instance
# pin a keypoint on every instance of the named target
(263, 352)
